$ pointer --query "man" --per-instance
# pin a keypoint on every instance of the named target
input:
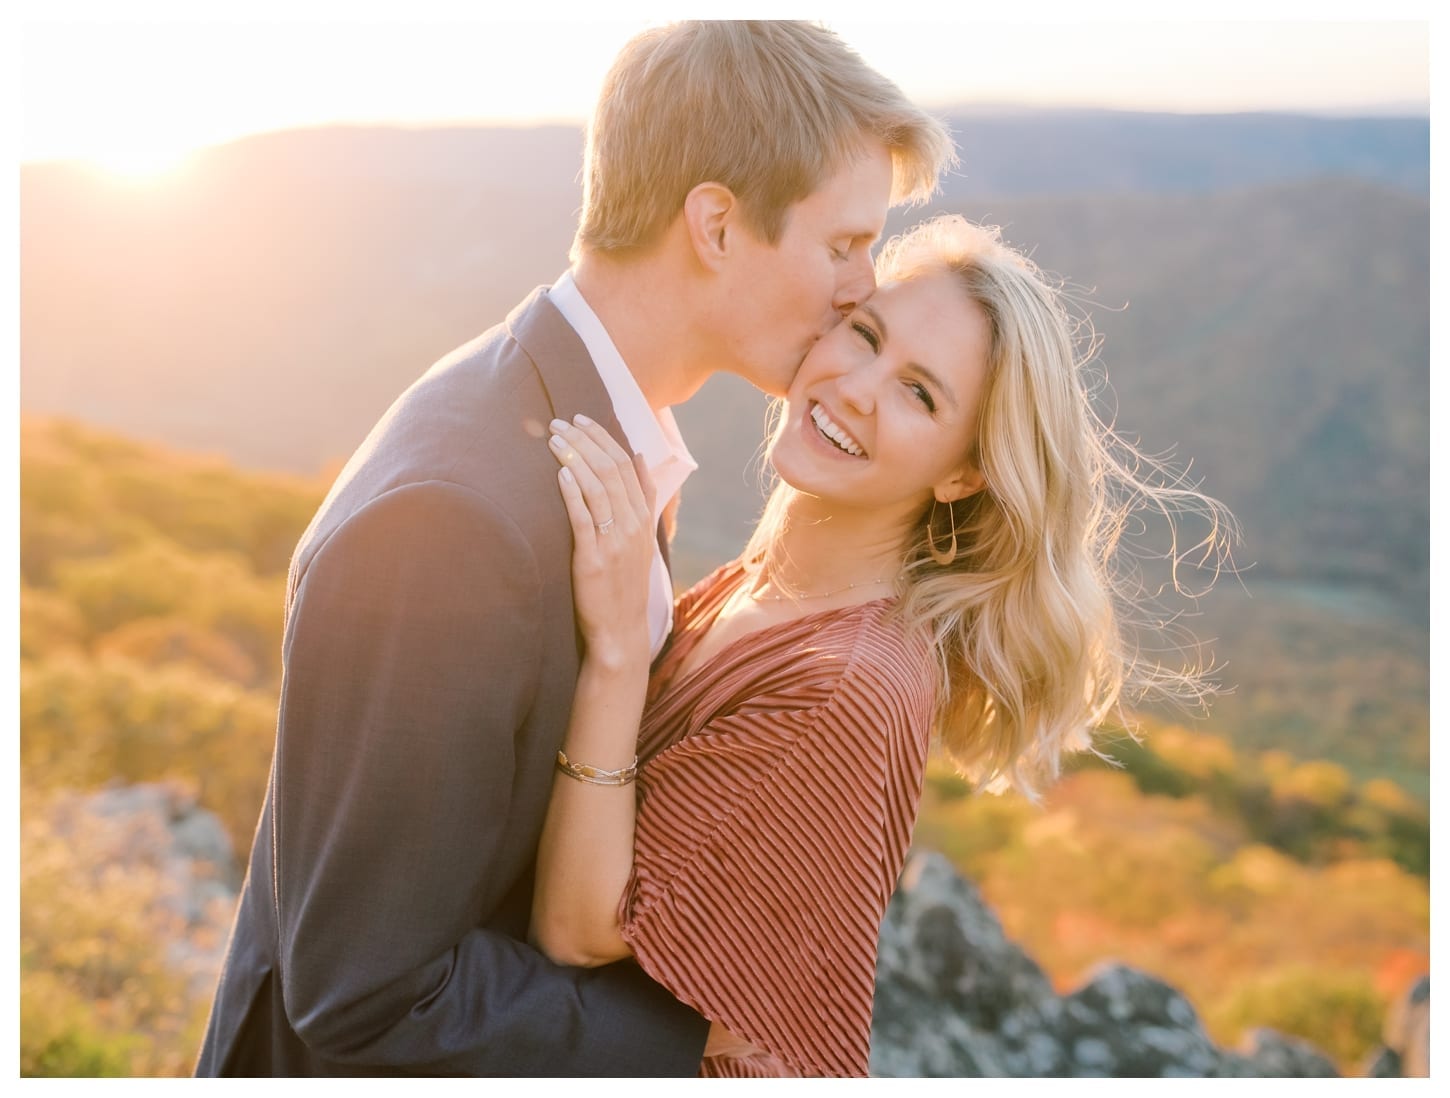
(736, 177)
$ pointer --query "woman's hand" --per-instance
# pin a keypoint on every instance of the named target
(610, 500)
(587, 844)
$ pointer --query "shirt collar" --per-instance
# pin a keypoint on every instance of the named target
(653, 434)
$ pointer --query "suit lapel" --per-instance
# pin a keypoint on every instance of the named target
(569, 375)
(572, 382)
(573, 385)
(571, 379)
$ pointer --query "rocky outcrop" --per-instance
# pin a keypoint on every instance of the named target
(160, 828)
(955, 997)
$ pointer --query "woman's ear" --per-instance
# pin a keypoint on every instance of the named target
(708, 210)
(966, 481)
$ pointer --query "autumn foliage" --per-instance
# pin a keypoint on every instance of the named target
(1273, 890)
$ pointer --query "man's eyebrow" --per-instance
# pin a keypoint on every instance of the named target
(935, 381)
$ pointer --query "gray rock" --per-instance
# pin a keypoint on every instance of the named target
(1383, 1063)
(1093, 1052)
(1274, 1055)
(1151, 1031)
(160, 827)
(954, 997)
(957, 997)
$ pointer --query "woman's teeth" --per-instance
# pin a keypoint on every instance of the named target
(833, 431)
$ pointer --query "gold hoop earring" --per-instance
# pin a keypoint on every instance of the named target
(942, 557)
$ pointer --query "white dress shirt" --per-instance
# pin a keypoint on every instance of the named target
(647, 432)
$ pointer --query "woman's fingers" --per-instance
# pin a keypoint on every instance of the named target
(614, 544)
(584, 444)
(600, 453)
(581, 519)
(596, 496)
(633, 475)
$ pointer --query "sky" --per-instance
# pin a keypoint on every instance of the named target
(134, 84)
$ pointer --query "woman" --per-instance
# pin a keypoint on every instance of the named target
(937, 557)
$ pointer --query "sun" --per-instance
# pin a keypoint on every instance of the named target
(139, 159)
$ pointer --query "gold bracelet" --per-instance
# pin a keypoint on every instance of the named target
(593, 775)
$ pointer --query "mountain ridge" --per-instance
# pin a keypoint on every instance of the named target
(270, 301)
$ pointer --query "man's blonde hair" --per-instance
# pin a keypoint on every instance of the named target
(768, 108)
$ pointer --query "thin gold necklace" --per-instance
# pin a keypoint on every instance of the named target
(757, 597)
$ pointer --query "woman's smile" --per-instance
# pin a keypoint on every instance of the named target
(835, 436)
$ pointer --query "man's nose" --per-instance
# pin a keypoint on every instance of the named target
(857, 284)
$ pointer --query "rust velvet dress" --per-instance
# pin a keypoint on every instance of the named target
(779, 786)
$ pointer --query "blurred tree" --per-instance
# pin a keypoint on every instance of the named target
(150, 626)
(85, 724)
(99, 993)
(1334, 1010)
(153, 642)
(49, 624)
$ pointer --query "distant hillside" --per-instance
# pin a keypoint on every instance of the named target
(1260, 283)
(1034, 152)
(271, 302)
(1229, 337)
(1019, 151)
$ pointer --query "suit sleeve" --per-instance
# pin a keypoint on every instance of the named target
(766, 849)
(412, 660)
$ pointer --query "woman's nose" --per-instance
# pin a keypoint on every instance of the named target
(858, 388)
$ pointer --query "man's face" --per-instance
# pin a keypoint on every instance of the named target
(784, 297)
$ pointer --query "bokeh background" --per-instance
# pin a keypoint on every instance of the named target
(242, 235)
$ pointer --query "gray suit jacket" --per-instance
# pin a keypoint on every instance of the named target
(430, 655)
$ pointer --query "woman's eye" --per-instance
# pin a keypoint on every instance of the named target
(922, 394)
(866, 332)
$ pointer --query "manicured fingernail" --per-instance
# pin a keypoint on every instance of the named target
(557, 443)
(583, 420)
(558, 425)
(566, 476)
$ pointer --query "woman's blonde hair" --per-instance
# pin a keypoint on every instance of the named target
(1034, 618)
(768, 108)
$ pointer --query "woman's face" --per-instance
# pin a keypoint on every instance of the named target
(882, 414)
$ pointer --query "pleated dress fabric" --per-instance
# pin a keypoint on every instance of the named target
(779, 786)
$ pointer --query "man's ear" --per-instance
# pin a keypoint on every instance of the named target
(966, 481)
(709, 210)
